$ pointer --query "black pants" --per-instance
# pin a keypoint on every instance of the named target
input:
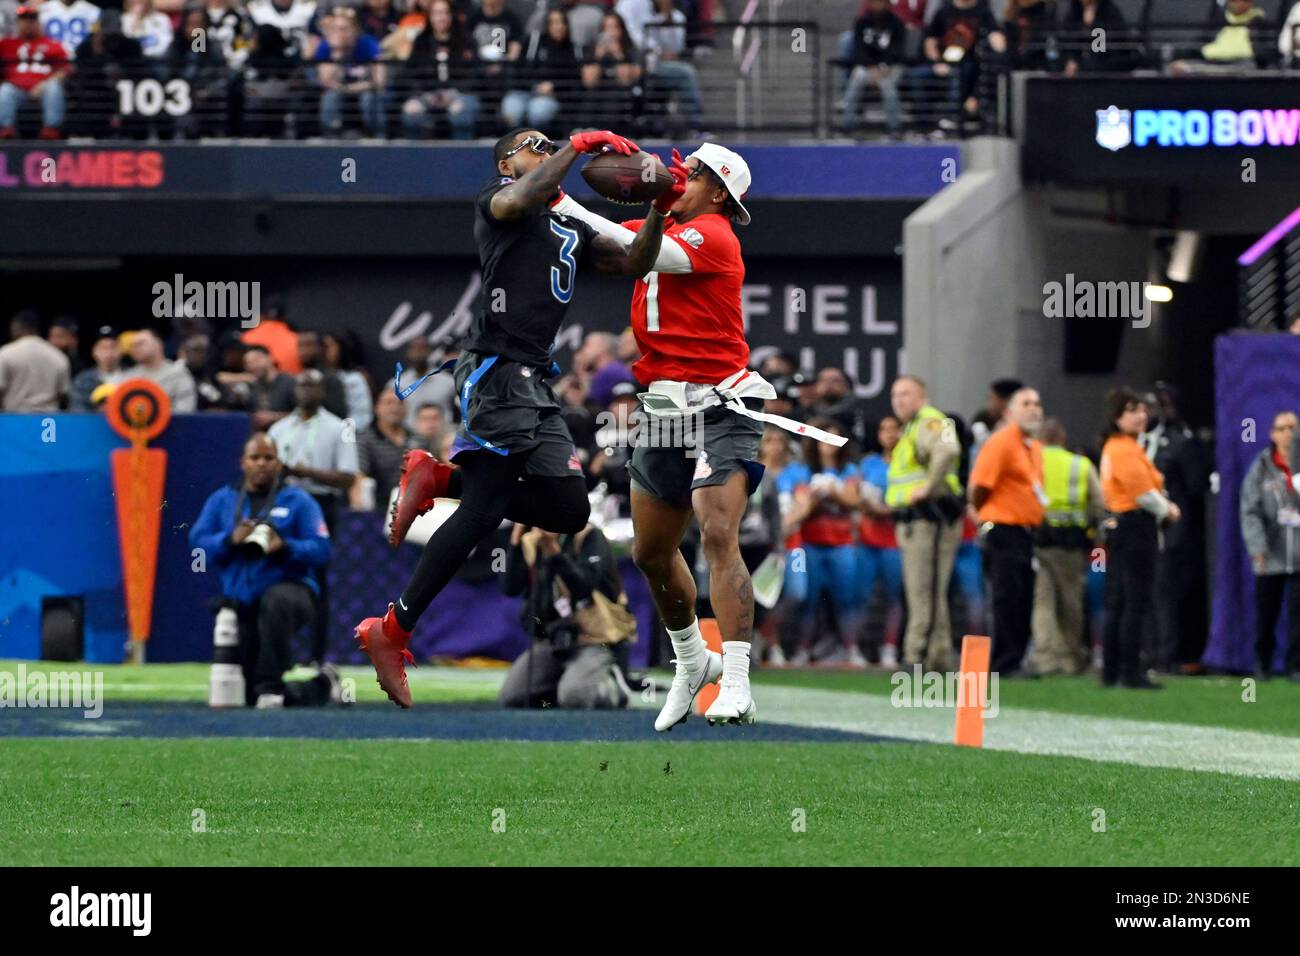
(266, 632)
(1009, 569)
(491, 488)
(1131, 552)
(1181, 618)
(1269, 589)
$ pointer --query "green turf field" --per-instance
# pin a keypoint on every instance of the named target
(111, 799)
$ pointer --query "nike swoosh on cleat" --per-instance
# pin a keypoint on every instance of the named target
(402, 604)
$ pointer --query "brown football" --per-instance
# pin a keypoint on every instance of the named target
(638, 178)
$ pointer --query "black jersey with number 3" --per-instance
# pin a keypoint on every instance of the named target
(529, 267)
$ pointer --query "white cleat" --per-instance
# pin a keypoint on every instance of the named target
(735, 705)
(681, 696)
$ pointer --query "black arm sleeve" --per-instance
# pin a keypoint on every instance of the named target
(591, 569)
(515, 581)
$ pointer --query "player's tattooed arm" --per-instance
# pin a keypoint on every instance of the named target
(609, 255)
(534, 189)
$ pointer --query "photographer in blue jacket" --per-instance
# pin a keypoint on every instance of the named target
(270, 543)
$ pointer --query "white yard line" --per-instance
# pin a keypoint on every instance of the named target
(1245, 753)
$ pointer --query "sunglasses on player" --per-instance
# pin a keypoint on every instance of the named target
(538, 144)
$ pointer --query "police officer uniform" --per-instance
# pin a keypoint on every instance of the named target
(1063, 545)
(928, 532)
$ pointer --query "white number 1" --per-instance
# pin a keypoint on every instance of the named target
(652, 302)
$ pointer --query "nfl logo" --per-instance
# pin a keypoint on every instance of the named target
(1114, 129)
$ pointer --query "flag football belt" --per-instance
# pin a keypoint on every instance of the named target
(666, 398)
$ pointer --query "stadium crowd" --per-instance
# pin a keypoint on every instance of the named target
(291, 68)
(466, 68)
(926, 526)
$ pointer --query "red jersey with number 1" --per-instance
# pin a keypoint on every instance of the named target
(24, 63)
(689, 325)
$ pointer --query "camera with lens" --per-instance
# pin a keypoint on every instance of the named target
(259, 539)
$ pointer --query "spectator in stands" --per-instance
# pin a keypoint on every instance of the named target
(1286, 39)
(106, 352)
(272, 331)
(836, 399)
(397, 44)
(230, 26)
(203, 67)
(437, 390)
(879, 37)
(613, 441)
(583, 17)
(104, 59)
(550, 65)
(378, 18)
(878, 558)
(1134, 493)
(196, 352)
(345, 357)
(271, 395)
(311, 355)
(778, 364)
(268, 91)
(1083, 52)
(952, 53)
(498, 39)
(1270, 526)
(1242, 38)
(597, 367)
(146, 352)
(611, 76)
(271, 547)
(68, 22)
(441, 78)
(32, 68)
(430, 427)
(64, 336)
(1031, 27)
(659, 28)
(292, 18)
(575, 611)
(34, 375)
(628, 351)
(347, 67)
(142, 22)
(382, 446)
(827, 494)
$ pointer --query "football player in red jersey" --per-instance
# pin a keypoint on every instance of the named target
(31, 67)
(687, 319)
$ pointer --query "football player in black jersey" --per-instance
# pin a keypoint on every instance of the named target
(514, 454)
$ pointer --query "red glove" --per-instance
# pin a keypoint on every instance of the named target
(665, 200)
(597, 141)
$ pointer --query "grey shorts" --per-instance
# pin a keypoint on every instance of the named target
(670, 463)
(509, 409)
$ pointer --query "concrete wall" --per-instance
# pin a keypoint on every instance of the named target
(976, 258)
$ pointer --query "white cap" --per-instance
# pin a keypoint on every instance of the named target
(731, 169)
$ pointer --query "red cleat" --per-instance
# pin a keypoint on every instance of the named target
(384, 640)
(8, 132)
(424, 478)
(51, 132)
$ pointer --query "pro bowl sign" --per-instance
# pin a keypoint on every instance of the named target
(1196, 129)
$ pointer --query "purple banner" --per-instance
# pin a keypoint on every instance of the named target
(1256, 376)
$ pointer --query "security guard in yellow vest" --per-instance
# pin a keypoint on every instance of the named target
(1063, 545)
(925, 495)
